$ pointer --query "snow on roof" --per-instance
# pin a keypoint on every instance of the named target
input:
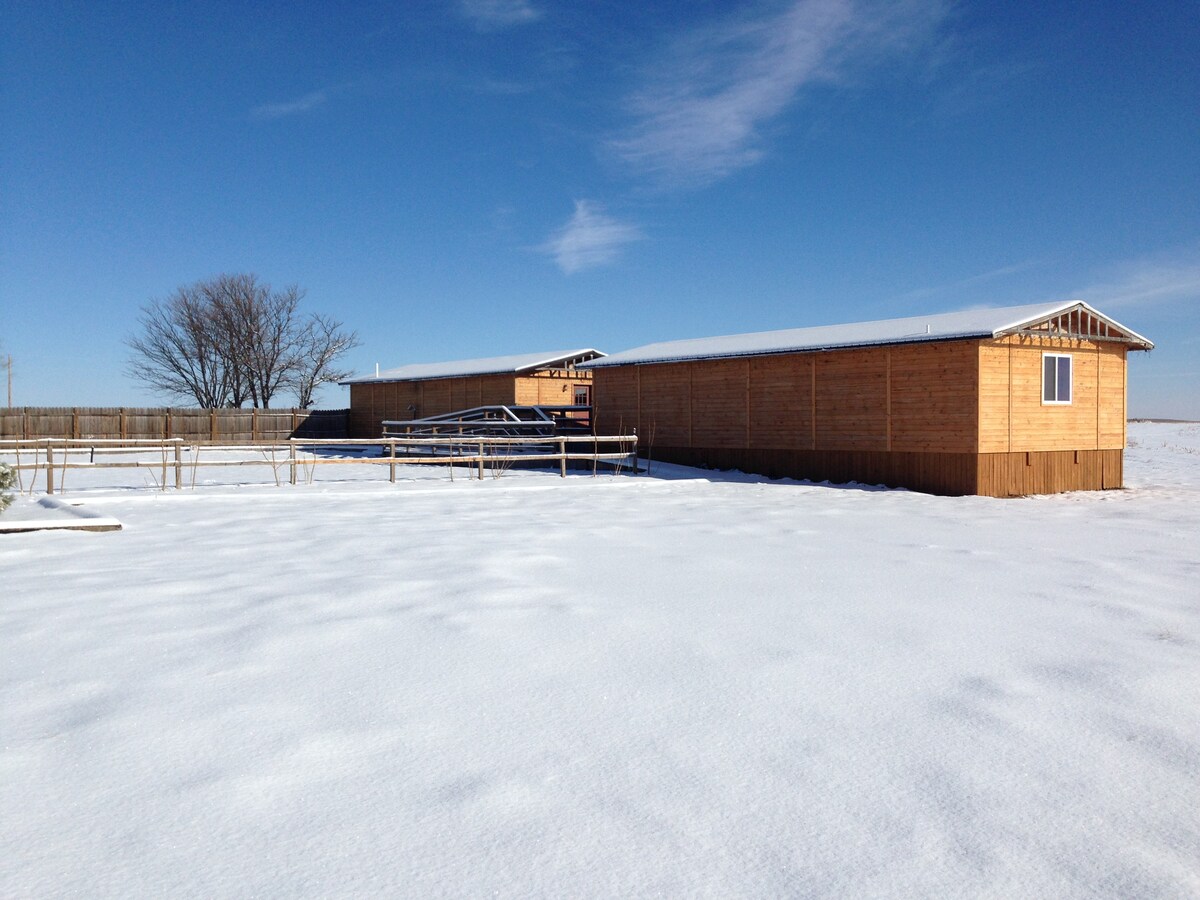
(495, 365)
(975, 323)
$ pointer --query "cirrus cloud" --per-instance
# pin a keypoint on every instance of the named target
(492, 15)
(291, 107)
(590, 238)
(700, 115)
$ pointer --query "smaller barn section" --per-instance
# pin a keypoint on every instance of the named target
(1001, 402)
(422, 390)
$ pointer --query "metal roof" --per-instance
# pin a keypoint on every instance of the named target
(975, 323)
(495, 365)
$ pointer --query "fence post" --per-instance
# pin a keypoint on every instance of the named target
(295, 421)
(75, 422)
(254, 425)
(25, 423)
(480, 461)
(122, 415)
(562, 462)
(164, 466)
(212, 426)
(178, 464)
(49, 468)
(392, 475)
(292, 457)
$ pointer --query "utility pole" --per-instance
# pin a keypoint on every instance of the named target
(8, 365)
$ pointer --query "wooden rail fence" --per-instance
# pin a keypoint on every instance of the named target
(128, 423)
(52, 458)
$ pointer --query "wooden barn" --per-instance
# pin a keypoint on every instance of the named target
(433, 389)
(1000, 402)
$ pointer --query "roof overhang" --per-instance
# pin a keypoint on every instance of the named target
(497, 365)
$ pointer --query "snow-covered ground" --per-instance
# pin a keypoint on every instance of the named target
(688, 684)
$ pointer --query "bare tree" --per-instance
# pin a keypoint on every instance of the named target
(263, 332)
(232, 340)
(322, 344)
(179, 351)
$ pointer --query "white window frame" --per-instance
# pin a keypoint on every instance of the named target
(1057, 386)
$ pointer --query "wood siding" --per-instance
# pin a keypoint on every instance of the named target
(615, 410)
(664, 405)
(851, 399)
(550, 389)
(781, 401)
(950, 417)
(918, 397)
(1012, 417)
(1048, 472)
(933, 389)
(371, 404)
(124, 423)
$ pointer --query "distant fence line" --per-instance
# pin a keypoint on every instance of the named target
(128, 423)
(54, 457)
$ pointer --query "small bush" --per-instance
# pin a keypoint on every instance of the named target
(8, 478)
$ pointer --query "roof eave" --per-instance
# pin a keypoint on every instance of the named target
(817, 348)
(383, 378)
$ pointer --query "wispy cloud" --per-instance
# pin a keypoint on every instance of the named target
(590, 238)
(291, 107)
(493, 15)
(1157, 279)
(700, 115)
(971, 281)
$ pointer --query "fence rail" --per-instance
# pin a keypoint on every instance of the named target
(158, 423)
(53, 458)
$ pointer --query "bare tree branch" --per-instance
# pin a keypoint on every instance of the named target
(322, 344)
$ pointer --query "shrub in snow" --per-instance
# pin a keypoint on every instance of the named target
(7, 479)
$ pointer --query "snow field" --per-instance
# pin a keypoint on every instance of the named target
(700, 684)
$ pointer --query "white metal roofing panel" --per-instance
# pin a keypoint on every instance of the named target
(495, 365)
(972, 323)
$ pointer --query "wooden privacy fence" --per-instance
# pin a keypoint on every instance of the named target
(53, 458)
(136, 424)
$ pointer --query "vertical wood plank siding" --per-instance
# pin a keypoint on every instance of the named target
(1048, 472)
(226, 425)
(951, 417)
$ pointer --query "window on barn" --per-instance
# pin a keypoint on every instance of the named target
(583, 395)
(1056, 378)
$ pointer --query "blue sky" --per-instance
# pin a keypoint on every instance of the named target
(486, 177)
